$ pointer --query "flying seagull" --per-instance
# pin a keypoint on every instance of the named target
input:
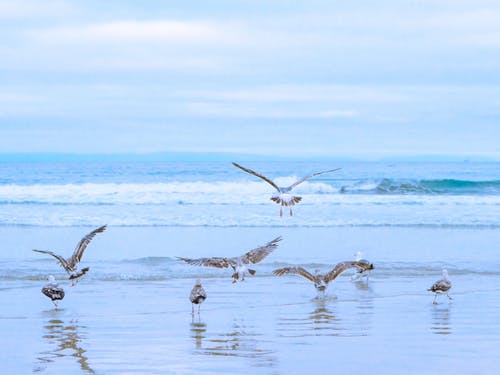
(284, 195)
(70, 264)
(53, 291)
(321, 280)
(197, 296)
(362, 272)
(238, 264)
(441, 286)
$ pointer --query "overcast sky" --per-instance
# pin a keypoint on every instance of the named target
(361, 79)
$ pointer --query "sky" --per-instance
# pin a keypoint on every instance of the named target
(336, 79)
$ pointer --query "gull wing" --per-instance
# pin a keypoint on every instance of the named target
(270, 182)
(297, 271)
(344, 266)
(82, 245)
(63, 262)
(207, 262)
(310, 176)
(256, 255)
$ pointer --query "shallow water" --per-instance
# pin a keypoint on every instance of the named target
(131, 314)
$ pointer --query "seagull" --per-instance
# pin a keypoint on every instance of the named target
(441, 286)
(197, 296)
(321, 280)
(362, 272)
(238, 264)
(70, 264)
(53, 290)
(283, 196)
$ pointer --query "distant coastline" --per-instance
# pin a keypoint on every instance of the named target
(224, 157)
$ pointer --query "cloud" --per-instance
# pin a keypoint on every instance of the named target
(126, 32)
(21, 10)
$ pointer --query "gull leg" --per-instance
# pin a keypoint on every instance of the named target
(291, 213)
(199, 307)
(435, 296)
(192, 309)
(281, 211)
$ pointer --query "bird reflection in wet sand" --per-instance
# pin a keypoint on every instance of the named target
(198, 329)
(321, 321)
(441, 320)
(322, 317)
(67, 341)
(240, 342)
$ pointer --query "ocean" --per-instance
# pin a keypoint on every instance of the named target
(131, 313)
(217, 194)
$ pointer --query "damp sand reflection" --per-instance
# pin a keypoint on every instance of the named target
(66, 341)
(326, 319)
(440, 323)
(240, 341)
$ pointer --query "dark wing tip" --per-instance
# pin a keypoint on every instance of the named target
(275, 241)
(278, 272)
(42, 251)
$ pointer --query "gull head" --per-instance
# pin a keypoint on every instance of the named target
(197, 282)
(51, 279)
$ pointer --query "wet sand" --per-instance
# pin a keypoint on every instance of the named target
(266, 324)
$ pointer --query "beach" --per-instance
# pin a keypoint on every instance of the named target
(131, 313)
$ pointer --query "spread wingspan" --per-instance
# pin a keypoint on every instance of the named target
(82, 245)
(344, 266)
(207, 262)
(297, 271)
(256, 255)
(63, 262)
(247, 170)
(310, 176)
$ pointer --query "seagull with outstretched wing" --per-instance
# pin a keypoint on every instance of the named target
(70, 264)
(321, 280)
(284, 196)
(238, 264)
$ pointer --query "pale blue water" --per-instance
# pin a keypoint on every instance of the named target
(217, 194)
(131, 313)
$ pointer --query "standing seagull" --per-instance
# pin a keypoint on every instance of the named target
(70, 264)
(197, 296)
(53, 291)
(238, 264)
(362, 272)
(284, 196)
(441, 286)
(321, 281)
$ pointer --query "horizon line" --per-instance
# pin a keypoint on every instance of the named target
(186, 156)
